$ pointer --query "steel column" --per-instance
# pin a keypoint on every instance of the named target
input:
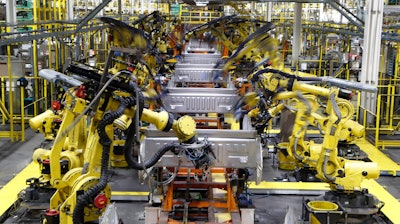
(11, 15)
(296, 48)
(372, 50)
(70, 10)
(269, 11)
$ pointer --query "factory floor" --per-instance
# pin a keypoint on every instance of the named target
(269, 207)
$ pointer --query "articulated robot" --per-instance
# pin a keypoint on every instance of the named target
(102, 112)
(77, 165)
(99, 113)
(278, 91)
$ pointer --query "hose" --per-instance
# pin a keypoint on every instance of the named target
(105, 141)
(294, 150)
(326, 158)
(153, 160)
(336, 108)
(129, 143)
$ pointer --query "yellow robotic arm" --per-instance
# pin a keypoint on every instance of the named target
(341, 174)
(82, 189)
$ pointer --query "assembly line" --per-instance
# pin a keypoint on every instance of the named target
(177, 120)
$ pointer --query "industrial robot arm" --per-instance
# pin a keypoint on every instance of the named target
(88, 171)
(341, 174)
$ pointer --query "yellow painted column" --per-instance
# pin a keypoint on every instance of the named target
(10, 93)
(22, 94)
(36, 6)
(3, 97)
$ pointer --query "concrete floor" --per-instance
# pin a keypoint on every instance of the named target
(268, 208)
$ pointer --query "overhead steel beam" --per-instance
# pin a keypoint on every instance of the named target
(91, 15)
(43, 35)
(295, 1)
(385, 36)
(346, 13)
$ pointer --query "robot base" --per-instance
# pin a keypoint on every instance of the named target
(356, 207)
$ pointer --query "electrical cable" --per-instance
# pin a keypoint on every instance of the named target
(87, 197)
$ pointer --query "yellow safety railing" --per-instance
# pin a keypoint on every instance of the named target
(382, 127)
(198, 17)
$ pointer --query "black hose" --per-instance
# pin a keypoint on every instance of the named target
(152, 161)
(129, 143)
(105, 141)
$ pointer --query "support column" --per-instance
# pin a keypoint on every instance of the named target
(70, 10)
(269, 11)
(296, 33)
(11, 15)
(372, 51)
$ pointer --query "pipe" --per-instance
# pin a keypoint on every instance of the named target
(135, 165)
(336, 108)
(294, 152)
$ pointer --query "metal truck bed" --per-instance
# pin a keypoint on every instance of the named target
(233, 148)
(200, 100)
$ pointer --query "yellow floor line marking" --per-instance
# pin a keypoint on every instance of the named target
(392, 205)
(375, 155)
(289, 186)
(9, 193)
(129, 193)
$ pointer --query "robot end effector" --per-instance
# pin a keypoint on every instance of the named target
(199, 152)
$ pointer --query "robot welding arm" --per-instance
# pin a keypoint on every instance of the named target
(341, 174)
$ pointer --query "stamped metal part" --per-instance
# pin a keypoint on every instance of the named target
(200, 100)
(232, 148)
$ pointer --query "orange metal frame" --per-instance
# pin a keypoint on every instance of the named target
(188, 174)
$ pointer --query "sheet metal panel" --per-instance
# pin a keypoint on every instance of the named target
(198, 74)
(233, 149)
(196, 58)
(200, 100)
